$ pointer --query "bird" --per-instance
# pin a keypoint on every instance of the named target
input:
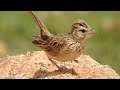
(62, 47)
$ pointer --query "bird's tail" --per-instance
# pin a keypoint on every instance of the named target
(45, 34)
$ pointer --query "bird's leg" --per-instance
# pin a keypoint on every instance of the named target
(55, 64)
(63, 68)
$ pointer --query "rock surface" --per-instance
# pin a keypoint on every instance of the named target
(36, 65)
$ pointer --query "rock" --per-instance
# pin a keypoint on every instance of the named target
(36, 65)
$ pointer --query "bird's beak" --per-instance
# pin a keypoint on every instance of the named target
(92, 32)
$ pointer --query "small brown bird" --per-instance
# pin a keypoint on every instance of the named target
(62, 47)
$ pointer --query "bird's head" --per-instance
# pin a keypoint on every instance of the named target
(81, 30)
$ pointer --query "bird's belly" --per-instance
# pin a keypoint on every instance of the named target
(64, 56)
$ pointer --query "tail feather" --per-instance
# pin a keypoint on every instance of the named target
(45, 34)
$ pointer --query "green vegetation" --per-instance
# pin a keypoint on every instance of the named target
(18, 27)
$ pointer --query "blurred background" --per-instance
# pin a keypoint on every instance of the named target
(18, 27)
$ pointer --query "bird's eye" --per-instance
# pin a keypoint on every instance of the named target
(82, 30)
(81, 24)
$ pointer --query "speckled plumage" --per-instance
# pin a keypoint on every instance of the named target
(63, 47)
